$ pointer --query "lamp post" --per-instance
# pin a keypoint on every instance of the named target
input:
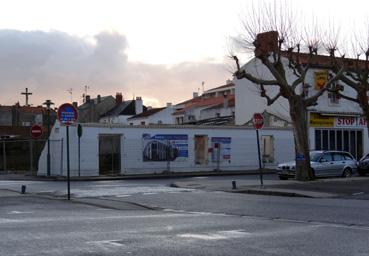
(48, 103)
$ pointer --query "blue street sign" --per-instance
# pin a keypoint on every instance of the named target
(67, 114)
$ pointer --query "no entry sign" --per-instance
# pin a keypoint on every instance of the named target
(67, 114)
(258, 121)
(36, 131)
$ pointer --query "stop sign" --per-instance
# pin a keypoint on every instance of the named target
(258, 121)
(36, 131)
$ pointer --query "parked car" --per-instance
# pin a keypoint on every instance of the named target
(363, 167)
(323, 164)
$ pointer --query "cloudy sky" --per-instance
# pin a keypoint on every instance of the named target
(161, 50)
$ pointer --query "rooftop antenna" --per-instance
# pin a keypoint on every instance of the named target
(27, 95)
(86, 87)
(70, 90)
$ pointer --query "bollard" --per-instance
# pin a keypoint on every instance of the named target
(23, 189)
(234, 186)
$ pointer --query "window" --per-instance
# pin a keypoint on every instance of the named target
(333, 97)
(338, 157)
(328, 157)
(143, 123)
(347, 156)
(160, 122)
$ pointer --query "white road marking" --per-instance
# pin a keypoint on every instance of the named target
(106, 242)
(359, 193)
(220, 235)
(18, 212)
(122, 195)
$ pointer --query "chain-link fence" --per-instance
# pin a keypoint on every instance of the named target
(21, 156)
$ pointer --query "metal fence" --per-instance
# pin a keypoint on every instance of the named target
(21, 156)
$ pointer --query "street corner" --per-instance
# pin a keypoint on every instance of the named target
(9, 193)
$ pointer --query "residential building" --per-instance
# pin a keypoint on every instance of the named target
(123, 110)
(91, 110)
(334, 123)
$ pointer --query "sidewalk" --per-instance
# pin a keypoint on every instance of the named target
(321, 188)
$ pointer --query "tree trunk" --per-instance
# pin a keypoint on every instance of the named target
(298, 112)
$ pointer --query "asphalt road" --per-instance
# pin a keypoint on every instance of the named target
(150, 218)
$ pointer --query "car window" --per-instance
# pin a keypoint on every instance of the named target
(347, 156)
(328, 157)
(338, 156)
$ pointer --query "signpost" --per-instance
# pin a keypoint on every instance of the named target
(67, 115)
(36, 132)
(258, 121)
(79, 134)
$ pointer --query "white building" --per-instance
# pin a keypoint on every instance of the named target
(154, 116)
(119, 149)
(334, 124)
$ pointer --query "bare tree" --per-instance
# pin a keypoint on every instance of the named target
(356, 76)
(281, 51)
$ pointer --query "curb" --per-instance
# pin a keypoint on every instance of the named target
(139, 176)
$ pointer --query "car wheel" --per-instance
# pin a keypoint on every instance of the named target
(347, 173)
(283, 178)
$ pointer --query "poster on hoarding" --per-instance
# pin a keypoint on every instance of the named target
(223, 146)
(165, 147)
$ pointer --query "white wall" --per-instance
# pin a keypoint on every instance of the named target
(243, 149)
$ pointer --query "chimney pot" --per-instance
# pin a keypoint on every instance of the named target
(118, 98)
(266, 42)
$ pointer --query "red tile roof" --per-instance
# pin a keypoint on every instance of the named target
(202, 102)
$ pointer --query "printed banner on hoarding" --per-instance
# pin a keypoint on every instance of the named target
(165, 147)
(224, 145)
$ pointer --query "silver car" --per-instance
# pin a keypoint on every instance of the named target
(324, 164)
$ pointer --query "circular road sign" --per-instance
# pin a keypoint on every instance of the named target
(36, 131)
(258, 121)
(67, 114)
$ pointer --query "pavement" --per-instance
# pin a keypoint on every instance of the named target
(320, 188)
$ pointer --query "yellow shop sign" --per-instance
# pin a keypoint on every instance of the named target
(317, 120)
(321, 78)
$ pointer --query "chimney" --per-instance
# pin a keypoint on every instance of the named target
(138, 105)
(195, 94)
(118, 98)
(88, 98)
(169, 104)
(98, 99)
(265, 43)
(75, 104)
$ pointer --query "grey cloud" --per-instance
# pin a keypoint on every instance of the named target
(51, 62)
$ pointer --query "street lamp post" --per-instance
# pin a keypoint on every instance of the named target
(48, 103)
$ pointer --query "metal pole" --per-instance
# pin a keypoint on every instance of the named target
(218, 157)
(30, 156)
(48, 141)
(260, 167)
(4, 157)
(79, 156)
(68, 166)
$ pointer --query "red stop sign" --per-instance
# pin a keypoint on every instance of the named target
(36, 131)
(258, 121)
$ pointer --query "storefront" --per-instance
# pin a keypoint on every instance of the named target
(334, 132)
